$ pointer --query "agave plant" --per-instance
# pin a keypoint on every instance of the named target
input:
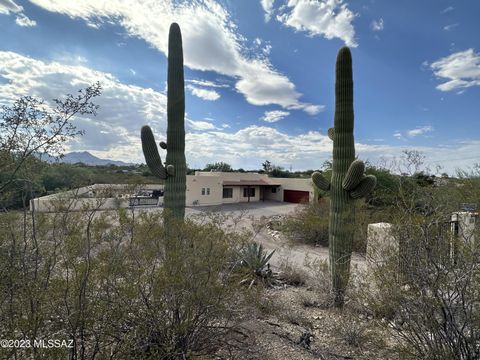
(255, 261)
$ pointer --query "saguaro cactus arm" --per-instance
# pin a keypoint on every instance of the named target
(366, 185)
(320, 181)
(152, 157)
(354, 175)
(331, 133)
(355, 182)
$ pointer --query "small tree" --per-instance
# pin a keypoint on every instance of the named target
(218, 166)
(267, 166)
(32, 127)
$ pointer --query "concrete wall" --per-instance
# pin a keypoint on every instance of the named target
(78, 199)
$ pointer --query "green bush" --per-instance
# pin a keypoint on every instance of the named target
(309, 224)
(428, 300)
(115, 285)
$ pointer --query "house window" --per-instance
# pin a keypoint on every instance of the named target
(205, 191)
(227, 193)
(248, 192)
(274, 190)
(208, 191)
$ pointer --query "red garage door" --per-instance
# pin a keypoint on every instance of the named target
(295, 196)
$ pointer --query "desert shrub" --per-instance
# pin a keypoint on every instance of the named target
(309, 224)
(320, 281)
(352, 331)
(428, 299)
(115, 285)
(291, 274)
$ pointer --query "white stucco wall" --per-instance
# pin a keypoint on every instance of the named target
(195, 184)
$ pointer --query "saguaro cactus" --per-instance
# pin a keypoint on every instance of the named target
(174, 173)
(348, 179)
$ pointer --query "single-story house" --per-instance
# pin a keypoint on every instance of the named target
(215, 188)
(203, 189)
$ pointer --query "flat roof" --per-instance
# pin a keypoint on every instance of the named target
(249, 183)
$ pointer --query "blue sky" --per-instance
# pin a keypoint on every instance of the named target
(259, 75)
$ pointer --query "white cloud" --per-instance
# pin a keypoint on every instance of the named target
(23, 20)
(448, 9)
(377, 25)
(123, 108)
(114, 133)
(450, 27)
(398, 135)
(328, 18)
(206, 83)
(200, 125)
(419, 131)
(461, 69)
(274, 116)
(9, 6)
(210, 38)
(267, 6)
(209, 95)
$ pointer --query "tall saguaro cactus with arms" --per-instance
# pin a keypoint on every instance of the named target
(174, 171)
(348, 181)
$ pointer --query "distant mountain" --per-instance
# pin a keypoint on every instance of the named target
(86, 158)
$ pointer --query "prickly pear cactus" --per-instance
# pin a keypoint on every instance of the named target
(348, 179)
(174, 171)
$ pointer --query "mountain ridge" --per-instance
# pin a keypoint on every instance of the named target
(86, 158)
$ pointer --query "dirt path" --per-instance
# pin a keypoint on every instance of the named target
(296, 253)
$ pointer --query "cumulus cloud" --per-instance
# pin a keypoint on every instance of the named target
(461, 69)
(209, 95)
(114, 133)
(200, 125)
(328, 18)
(210, 38)
(250, 146)
(9, 6)
(274, 116)
(267, 6)
(419, 131)
(23, 20)
(377, 25)
(124, 108)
